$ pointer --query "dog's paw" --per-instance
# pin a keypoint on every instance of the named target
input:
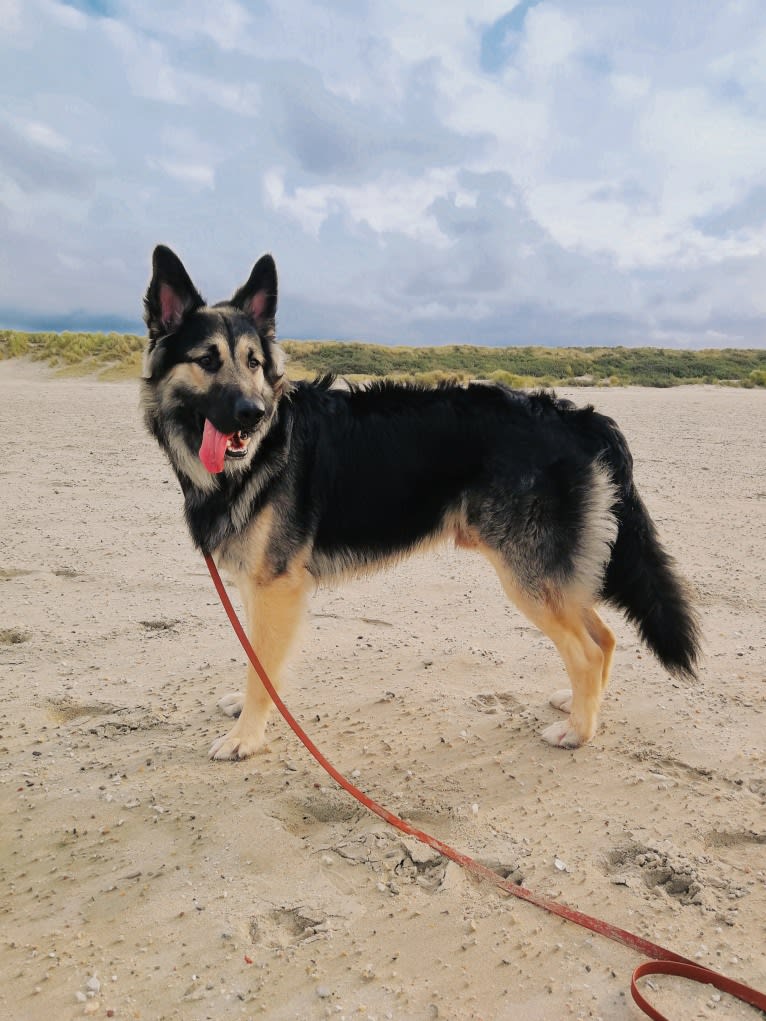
(232, 704)
(237, 744)
(561, 699)
(561, 735)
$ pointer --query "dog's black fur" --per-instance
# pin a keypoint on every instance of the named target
(335, 480)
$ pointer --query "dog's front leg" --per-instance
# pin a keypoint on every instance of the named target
(274, 612)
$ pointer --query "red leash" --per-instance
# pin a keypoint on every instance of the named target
(664, 962)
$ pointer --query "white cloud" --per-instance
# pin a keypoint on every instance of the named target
(630, 88)
(634, 238)
(551, 39)
(155, 75)
(225, 22)
(10, 16)
(61, 13)
(705, 149)
(40, 134)
(745, 63)
(195, 174)
(473, 311)
(392, 204)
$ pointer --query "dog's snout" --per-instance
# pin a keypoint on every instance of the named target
(248, 411)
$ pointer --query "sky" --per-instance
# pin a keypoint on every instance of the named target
(542, 172)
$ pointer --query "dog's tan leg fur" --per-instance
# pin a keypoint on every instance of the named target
(584, 661)
(274, 611)
(603, 636)
(584, 643)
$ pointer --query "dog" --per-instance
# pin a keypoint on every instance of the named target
(292, 484)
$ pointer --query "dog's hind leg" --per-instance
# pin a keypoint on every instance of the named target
(603, 636)
(274, 612)
(571, 626)
(565, 625)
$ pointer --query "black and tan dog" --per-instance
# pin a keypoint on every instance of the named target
(291, 484)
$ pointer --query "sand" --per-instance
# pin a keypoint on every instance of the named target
(140, 880)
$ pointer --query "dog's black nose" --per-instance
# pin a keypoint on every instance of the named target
(248, 411)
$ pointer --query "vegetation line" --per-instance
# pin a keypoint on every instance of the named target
(118, 356)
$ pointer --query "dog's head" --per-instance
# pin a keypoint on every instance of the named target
(212, 375)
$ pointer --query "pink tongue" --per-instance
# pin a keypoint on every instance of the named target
(213, 449)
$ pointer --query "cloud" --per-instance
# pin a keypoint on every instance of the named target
(327, 135)
(35, 158)
(154, 75)
(42, 135)
(746, 215)
(488, 171)
(10, 16)
(229, 25)
(392, 204)
(196, 174)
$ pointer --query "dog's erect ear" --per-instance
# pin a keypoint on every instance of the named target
(258, 297)
(170, 296)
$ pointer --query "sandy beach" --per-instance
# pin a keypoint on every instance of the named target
(140, 880)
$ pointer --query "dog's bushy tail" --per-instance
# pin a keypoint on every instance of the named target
(642, 581)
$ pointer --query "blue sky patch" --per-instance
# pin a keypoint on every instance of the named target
(500, 40)
(101, 8)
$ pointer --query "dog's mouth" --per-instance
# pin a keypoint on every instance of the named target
(237, 444)
(217, 446)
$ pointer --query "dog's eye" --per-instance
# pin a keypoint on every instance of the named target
(206, 361)
(253, 363)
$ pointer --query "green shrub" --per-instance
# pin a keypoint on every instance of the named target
(118, 355)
